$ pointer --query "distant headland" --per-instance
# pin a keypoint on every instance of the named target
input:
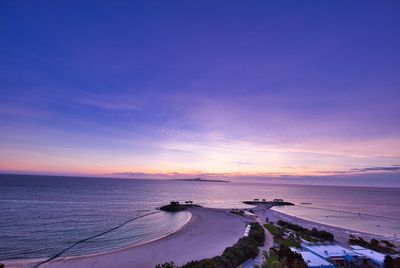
(198, 179)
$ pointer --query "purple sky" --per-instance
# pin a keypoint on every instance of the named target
(216, 88)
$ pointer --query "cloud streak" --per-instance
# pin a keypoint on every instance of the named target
(368, 169)
(219, 101)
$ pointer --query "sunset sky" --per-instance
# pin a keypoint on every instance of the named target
(210, 88)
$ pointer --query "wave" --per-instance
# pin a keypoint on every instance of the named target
(92, 237)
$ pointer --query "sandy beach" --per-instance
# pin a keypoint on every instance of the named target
(207, 234)
(341, 234)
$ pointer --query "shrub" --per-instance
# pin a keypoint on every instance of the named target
(324, 235)
(237, 212)
(388, 244)
(174, 206)
(289, 258)
(380, 246)
(389, 262)
(278, 234)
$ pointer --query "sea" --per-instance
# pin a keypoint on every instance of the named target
(42, 216)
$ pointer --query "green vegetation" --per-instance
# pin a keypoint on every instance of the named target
(175, 206)
(257, 233)
(388, 244)
(271, 259)
(382, 246)
(244, 249)
(279, 236)
(306, 233)
(283, 258)
(237, 212)
(289, 258)
(391, 263)
(275, 231)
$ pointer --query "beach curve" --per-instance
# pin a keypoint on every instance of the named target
(206, 234)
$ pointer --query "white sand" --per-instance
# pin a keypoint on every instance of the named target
(206, 235)
(341, 234)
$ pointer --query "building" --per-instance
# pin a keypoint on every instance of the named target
(312, 260)
(247, 230)
(354, 256)
(374, 258)
(336, 254)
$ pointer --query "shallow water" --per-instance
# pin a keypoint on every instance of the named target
(42, 215)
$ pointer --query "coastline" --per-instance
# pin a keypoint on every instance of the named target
(377, 231)
(206, 234)
(29, 262)
(341, 234)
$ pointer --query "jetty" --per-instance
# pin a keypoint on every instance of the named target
(268, 204)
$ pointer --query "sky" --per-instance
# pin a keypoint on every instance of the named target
(246, 89)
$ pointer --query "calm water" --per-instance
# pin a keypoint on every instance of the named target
(41, 215)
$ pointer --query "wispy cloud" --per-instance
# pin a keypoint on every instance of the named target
(245, 163)
(111, 103)
(386, 168)
(363, 170)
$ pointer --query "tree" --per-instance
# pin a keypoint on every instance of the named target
(389, 262)
(375, 242)
(388, 244)
(289, 258)
(166, 265)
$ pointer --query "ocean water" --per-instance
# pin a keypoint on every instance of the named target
(42, 215)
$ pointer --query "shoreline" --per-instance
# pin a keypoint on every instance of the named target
(33, 261)
(206, 234)
(353, 231)
(163, 249)
(341, 234)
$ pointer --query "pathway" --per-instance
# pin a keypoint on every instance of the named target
(269, 241)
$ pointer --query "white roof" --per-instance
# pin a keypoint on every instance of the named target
(311, 259)
(356, 247)
(330, 251)
(371, 254)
